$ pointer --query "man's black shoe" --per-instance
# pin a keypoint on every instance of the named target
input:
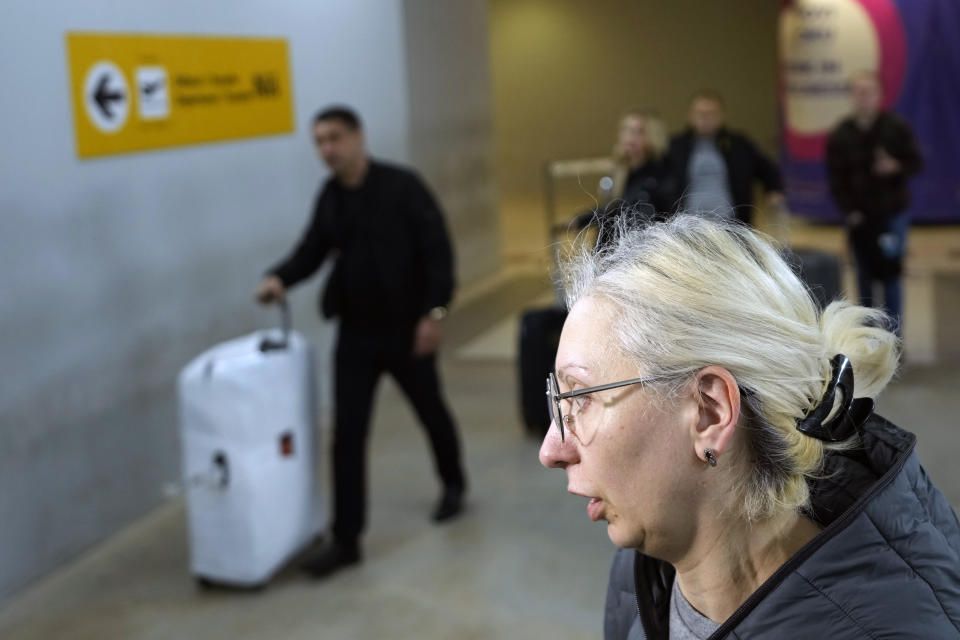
(450, 505)
(331, 559)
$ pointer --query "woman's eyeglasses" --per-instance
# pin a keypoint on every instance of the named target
(554, 397)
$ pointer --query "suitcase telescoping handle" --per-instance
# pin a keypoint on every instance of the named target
(270, 344)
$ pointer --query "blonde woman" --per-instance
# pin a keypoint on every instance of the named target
(637, 186)
(723, 429)
(641, 140)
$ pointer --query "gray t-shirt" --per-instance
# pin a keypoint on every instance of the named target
(686, 623)
(708, 191)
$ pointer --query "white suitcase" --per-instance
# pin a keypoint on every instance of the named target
(247, 426)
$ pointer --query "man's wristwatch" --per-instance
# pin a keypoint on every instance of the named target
(438, 313)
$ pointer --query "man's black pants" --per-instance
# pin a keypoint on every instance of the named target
(361, 357)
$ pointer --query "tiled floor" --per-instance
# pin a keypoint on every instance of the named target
(524, 562)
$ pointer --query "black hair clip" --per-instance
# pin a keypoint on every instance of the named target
(851, 414)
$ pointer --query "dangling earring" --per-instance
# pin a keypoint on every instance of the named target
(710, 456)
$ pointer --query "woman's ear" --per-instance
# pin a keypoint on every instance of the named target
(719, 410)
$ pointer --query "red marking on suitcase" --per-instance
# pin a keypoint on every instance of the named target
(286, 445)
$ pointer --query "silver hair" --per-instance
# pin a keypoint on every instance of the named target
(696, 291)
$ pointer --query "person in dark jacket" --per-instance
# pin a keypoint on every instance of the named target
(638, 153)
(636, 187)
(871, 156)
(712, 169)
(722, 425)
(390, 287)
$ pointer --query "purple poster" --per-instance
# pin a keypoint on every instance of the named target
(914, 47)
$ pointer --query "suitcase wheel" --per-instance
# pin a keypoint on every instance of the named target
(206, 584)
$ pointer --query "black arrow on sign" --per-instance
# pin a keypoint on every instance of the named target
(103, 96)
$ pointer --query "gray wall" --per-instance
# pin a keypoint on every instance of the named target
(116, 271)
(451, 121)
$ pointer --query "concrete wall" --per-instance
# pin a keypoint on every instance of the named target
(451, 122)
(118, 270)
(564, 71)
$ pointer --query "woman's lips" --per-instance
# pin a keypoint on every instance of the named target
(595, 509)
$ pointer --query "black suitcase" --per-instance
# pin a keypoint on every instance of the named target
(539, 337)
(821, 273)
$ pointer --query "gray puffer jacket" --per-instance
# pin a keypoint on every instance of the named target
(886, 565)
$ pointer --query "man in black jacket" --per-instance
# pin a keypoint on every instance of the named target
(871, 155)
(711, 169)
(390, 287)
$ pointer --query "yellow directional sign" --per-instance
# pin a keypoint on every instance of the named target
(133, 92)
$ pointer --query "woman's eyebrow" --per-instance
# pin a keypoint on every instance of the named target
(572, 373)
(572, 365)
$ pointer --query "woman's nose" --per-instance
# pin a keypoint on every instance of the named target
(555, 453)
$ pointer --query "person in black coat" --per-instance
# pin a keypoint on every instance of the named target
(871, 156)
(638, 152)
(637, 182)
(390, 287)
(712, 169)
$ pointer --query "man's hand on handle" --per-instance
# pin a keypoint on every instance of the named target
(270, 290)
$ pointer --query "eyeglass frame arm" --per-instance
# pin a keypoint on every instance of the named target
(603, 387)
